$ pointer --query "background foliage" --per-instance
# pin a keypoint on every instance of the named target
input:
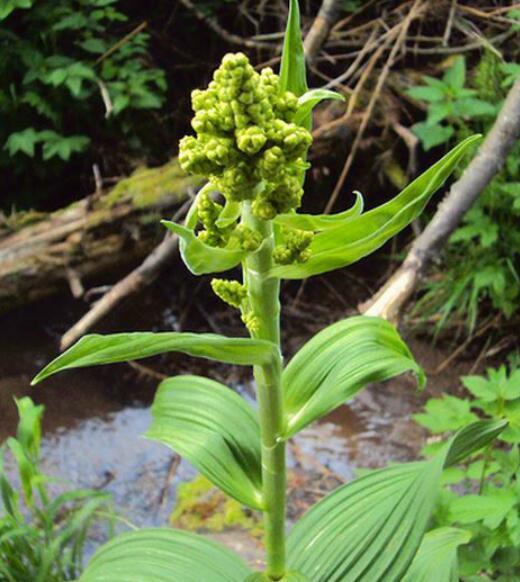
(59, 62)
(481, 270)
(483, 494)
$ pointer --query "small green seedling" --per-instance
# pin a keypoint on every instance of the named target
(251, 143)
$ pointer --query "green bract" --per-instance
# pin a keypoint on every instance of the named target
(250, 143)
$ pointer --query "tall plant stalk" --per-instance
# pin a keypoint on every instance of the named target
(263, 298)
(251, 143)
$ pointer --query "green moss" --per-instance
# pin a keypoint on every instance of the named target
(147, 186)
(18, 220)
(201, 506)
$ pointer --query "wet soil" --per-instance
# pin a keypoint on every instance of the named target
(94, 418)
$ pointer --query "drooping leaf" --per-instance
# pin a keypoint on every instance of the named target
(319, 222)
(308, 101)
(164, 555)
(292, 69)
(337, 363)
(96, 349)
(201, 258)
(215, 429)
(370, 529)
(346, 244)
(437, 556)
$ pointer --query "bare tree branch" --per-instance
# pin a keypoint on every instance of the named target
(223, 33)
(490, 158)
(139, 278)
(319, 31)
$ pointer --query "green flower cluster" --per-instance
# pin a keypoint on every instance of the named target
(247, 144)
(295, 248)
(231, 292)
(234, 293)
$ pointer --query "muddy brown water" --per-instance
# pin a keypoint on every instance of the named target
(94, 418)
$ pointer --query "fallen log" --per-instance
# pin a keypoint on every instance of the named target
(41, 254)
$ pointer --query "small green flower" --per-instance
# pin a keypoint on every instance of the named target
(231, 292)
(295, 248)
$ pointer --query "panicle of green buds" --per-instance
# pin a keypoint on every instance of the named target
(247, 143)
(209, 212)
(295, 248)
(249, 239)
(251, 321)
(231, 292)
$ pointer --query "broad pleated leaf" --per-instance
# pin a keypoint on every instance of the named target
(318, 222)
(215, 429)
(436, 559)
(292, 70)
(308, 101)
(370, 529)
(337, 363)
(288, 577)
(164, 555)
(201, 258)
(357, 237)
(96, 349)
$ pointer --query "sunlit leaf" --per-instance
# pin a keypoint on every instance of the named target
(201, 258)
(337, 363)
(437, 556)
(215, 429)
(96, 349)
(292, 70)
(308, 101)
(164, 555)
(370, 529)
(288, 577)
(319, 222)
(347, 243)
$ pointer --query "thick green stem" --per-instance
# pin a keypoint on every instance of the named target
(263, 295)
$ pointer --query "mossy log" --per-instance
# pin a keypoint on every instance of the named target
(41, 254)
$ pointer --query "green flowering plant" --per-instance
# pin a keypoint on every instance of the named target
(252, 137)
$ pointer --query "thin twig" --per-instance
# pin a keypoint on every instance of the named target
(223, 33)
(121, 42)
(414, 11)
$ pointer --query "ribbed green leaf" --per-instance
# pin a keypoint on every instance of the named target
(370, 529)
(96, 349)
(215, 429)
(337, 363)
(308, 101)
(288, 577)
(436, 559)
(164, 555)
(357, 237)
(292, 70)
(318, 222)
(201, 258)
(472, 438)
